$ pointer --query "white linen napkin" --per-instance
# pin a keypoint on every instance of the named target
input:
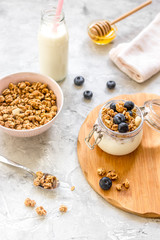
(140, 58)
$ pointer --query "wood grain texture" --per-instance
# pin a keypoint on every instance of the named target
(141, 167)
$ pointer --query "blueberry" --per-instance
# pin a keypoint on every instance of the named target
(123, 127)
(130, 113)
(105, 183)
(129, 105)
(118, 118)
(113, 106)
(111, 84)
(79, 80)
(87, 94)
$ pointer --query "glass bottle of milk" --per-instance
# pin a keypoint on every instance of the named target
(53, 45)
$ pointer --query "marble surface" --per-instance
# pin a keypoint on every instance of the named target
(89, 217)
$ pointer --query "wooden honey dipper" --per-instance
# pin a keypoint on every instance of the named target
(102, 28)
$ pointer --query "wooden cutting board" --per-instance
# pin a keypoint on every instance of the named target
(141, 168)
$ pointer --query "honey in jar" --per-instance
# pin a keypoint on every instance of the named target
(104, 39)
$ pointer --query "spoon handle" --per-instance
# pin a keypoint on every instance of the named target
(14, 164)
(132, 11)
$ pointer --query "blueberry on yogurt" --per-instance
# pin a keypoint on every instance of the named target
(113, 106)
(130, 113)
(118, 118)
(129, 105)
(123, 127)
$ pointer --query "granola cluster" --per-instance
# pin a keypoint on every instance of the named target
(41, 211)
(110, 174)
(27, 105)
(101, 171)
(125, 184)
(29, 203)
(72, 188)
(63, 208)
(113, 176)
(121, 117)
(45, 180)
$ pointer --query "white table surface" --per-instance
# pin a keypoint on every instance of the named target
(88, 216)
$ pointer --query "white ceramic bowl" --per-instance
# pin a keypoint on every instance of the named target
(32, 77)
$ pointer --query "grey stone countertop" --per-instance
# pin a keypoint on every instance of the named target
(88, 216)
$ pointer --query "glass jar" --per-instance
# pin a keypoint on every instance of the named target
(117, 143)
(53, 45)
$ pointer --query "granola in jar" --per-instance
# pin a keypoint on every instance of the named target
(118, 129)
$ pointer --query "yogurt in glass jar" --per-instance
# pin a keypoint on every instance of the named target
(53, 45)
(118, 143)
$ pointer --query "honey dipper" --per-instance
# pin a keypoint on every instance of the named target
(102, 28)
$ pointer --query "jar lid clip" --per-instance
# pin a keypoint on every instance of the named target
(96, 128)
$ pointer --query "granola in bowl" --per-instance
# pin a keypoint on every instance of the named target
(38, 118)
(27, 105)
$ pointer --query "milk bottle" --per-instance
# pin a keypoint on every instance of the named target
(53, 45)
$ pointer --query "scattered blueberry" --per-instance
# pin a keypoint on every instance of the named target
(79, 80)
(129, 105)
(111, 84)
(123, 127)
(113, 106)
(130, 113)
(118, 118)
(105, 183)
(87, 94)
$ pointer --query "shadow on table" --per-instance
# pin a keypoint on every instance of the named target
(26, 151)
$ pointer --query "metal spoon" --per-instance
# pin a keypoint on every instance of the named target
(14, 164)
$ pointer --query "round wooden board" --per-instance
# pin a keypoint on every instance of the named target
(141, 167)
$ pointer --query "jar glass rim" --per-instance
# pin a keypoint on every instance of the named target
(48, 14)
(154, 101)
(134, 132)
